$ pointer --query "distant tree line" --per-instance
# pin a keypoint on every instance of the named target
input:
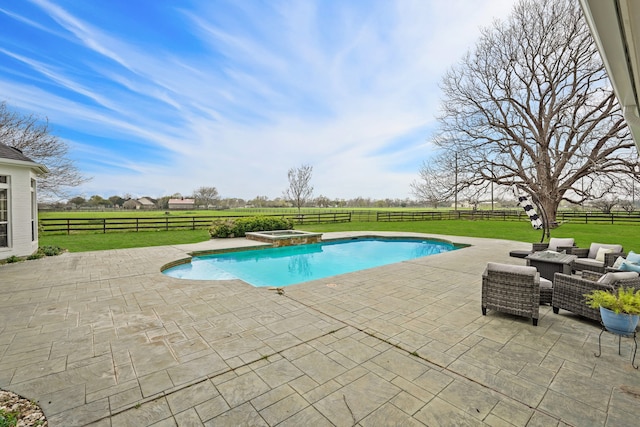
(162, 203)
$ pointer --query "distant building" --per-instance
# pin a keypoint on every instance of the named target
(146, 203)
(182, 203)
(18, 205)
(141, 203)
(131, 204)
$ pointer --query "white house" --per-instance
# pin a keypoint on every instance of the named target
(18, 206)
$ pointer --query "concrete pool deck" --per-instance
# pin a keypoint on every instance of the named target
(105, 339)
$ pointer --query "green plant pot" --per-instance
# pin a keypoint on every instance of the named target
(621, 324)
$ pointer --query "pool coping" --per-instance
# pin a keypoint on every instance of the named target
(330, 239)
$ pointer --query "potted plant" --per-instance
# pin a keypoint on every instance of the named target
(619, 309)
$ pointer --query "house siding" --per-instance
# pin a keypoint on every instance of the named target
(20, 235)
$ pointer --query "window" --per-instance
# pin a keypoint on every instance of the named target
(4, 211)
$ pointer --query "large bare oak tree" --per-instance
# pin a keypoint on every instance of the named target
(33, 137)
(531, 105)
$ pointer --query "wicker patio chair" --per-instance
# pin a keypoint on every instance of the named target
(569, 290)
(512, 289)
(555, 244)
(587, 257)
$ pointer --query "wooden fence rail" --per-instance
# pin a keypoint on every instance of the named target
(104, 225)
(599, 217)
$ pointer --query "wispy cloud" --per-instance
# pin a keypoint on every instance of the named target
(170, 97)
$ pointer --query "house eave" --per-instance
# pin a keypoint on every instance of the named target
(37, 167)
(615, 26)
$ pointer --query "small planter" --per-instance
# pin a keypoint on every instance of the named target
(621, 324)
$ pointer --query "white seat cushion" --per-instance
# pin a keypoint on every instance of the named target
(546, 283)
(611, 278)
(510, 268)
(589, 261)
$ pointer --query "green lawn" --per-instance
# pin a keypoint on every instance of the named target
(99, 242)
(626, 235)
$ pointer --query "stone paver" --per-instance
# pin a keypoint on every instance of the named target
(105, 339)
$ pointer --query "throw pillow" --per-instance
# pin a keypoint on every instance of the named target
(601, 252)
(618, 263)
(630, 266)
(633, 257)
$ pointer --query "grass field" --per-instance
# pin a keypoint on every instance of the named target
(626, 235)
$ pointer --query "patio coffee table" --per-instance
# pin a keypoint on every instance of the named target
(548, 263)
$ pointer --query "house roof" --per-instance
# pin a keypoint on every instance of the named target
(182, 201)
(14, 156)
(146, 201)
(615, 26)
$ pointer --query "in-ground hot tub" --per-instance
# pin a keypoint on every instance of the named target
(285, 237)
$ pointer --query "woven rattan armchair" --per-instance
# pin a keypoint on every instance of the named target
(569, 291)
(555, 244)
(513, 289)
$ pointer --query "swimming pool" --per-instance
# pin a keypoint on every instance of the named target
(289, 265)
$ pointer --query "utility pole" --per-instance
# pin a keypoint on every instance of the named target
(492, 176)
(455, 200)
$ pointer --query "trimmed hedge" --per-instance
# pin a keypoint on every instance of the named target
(237, 227)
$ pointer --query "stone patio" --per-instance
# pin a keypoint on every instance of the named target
(105, 339)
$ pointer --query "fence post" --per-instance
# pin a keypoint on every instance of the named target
(166, 224)
(104, 225)
(68, 226)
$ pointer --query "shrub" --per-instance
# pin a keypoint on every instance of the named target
(50, 250)
(239, 226)
(12, 259)
(221, 228)
(8, 419)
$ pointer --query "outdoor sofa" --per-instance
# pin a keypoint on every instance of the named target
(555, 244)
(597, 257)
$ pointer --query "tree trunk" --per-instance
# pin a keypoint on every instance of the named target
(550, 210)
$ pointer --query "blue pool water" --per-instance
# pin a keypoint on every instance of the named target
(295, 264)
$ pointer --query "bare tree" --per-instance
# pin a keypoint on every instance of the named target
(206, 196)
(531, 106)
(606, 204)
(627, 205)
(322, 201)
(34, 138)
(434, 186)
(300, 189)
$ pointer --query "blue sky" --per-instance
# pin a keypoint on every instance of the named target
(156, 97)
